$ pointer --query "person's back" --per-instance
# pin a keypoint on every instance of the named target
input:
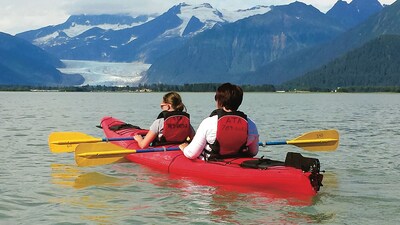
(227, 132)
(231, 135)
(176, 128)
(171, 126)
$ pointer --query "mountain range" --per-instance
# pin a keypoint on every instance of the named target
(265, 49)
(114, 38)
(384, 22)
(197, 43)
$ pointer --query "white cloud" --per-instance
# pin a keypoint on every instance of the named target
(22, 15)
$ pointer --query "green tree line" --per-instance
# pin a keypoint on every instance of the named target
(204, 87)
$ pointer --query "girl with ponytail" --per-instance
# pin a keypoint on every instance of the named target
(172, 125)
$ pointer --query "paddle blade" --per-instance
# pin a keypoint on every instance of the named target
(60, 142)
(94, 154)
(321, 140)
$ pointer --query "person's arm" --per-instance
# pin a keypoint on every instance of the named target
(252, 138)
(145, 142)
(195, 148)
(151, 135)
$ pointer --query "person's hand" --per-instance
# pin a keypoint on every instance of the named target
(183, 146)
(138, 137)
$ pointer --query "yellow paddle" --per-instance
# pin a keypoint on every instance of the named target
(321, 140)
(92, 154)
(314, 141)
(60, 142)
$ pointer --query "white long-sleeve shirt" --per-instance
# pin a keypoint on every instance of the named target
(207, 133)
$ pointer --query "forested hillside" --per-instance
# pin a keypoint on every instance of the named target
(374, 64)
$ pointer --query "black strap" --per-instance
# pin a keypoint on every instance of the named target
(261, 163)
(221, 112)
(123, 126)
(165, 114)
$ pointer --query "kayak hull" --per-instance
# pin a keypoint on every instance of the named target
(227, 172)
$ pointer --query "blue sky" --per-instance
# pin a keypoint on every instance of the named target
(22, 15)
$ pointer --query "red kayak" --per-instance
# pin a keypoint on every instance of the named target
(297, 175)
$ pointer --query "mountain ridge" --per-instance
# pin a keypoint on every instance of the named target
(272, 71)
(237, 47)
(142, 42)
(22, 63)
(384, 22)
(358, 67)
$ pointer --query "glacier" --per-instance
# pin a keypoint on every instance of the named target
(106, 73)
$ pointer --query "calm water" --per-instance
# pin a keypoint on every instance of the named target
(38, 187)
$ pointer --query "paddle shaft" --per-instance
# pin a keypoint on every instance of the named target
(94, 140)
(324, 140)
(283, 142)
(127, 151)
(99, 153)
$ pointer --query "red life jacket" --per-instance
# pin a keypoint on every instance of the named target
(176, 127)
(231, 135)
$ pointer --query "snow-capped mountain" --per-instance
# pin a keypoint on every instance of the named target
(275, 47)
(195, 19)
(121, 38)
(78, 24)
(209, 16)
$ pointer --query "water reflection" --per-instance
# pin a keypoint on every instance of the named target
(230, 204)
(330, 181)
(219, 203)
(73, 176)
(172, 198)
(93, 205)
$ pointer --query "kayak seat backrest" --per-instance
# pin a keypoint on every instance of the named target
(306, 164)
(298, 161)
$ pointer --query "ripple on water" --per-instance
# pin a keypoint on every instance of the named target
(362, 189)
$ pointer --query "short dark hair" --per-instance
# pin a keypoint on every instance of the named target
(229, 96)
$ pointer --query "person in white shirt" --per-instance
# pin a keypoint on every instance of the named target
(227, 133)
